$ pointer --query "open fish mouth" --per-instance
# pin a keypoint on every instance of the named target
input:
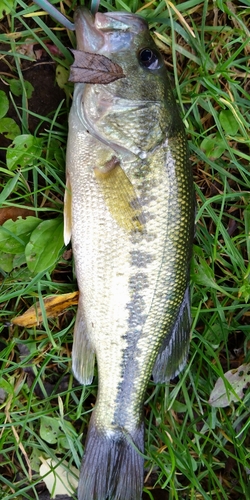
(119, 21)
(106, 33)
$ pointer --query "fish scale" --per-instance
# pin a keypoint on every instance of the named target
(129, 208)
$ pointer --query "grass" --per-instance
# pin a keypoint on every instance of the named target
(194, 450)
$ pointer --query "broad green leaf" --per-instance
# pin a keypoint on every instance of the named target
(190, 461)
(228, 122)
(50, 429)
(8, 188)
(244, 290)
(14, 235)
(5, 7)
(213, 146)
(60, 158)
(44, 246)
(21, 273)
(55, 154)
(34, 459)
(238, 381)
(6, 386)
(9, 128)
(179, 407)
(6, 262)
(62, 76)
(216, 334)
(4, 102)
(16, 87)
(19, 260)
(202, 273)
(69, 433)
(23, 151)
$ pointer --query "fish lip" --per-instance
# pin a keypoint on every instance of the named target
(89, 38)
(120, 21)
(108, 32)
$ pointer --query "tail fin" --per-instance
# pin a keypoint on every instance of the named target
(112, 468)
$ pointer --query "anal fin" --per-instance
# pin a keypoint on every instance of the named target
(83, 356)
(174, 350)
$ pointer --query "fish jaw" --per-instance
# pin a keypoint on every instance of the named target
(106, 33)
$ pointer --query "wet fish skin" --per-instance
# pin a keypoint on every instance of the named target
(129, 208)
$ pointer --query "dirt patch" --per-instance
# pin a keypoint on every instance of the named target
(45, 98)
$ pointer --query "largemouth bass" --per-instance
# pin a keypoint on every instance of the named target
(129, 209)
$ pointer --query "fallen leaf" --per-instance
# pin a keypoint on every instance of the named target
(54, 49)
(13, 213)
(54, 306)
(238, 379)
(59, 479)
(94, 68)
(27, 48)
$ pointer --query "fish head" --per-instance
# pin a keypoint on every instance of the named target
(143, 94)
(125, 39)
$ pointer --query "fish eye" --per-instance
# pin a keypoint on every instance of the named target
(149, 58)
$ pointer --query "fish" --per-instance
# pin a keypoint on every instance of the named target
(129, 212)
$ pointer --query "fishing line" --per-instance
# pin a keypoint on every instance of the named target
(94, 6)
(58, 16)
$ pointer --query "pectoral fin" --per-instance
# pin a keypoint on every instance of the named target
(119, 195)
(174, 351)
(67, 213)
(83, 356)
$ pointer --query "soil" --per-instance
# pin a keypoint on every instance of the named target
(44, 101)
(45, 98)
